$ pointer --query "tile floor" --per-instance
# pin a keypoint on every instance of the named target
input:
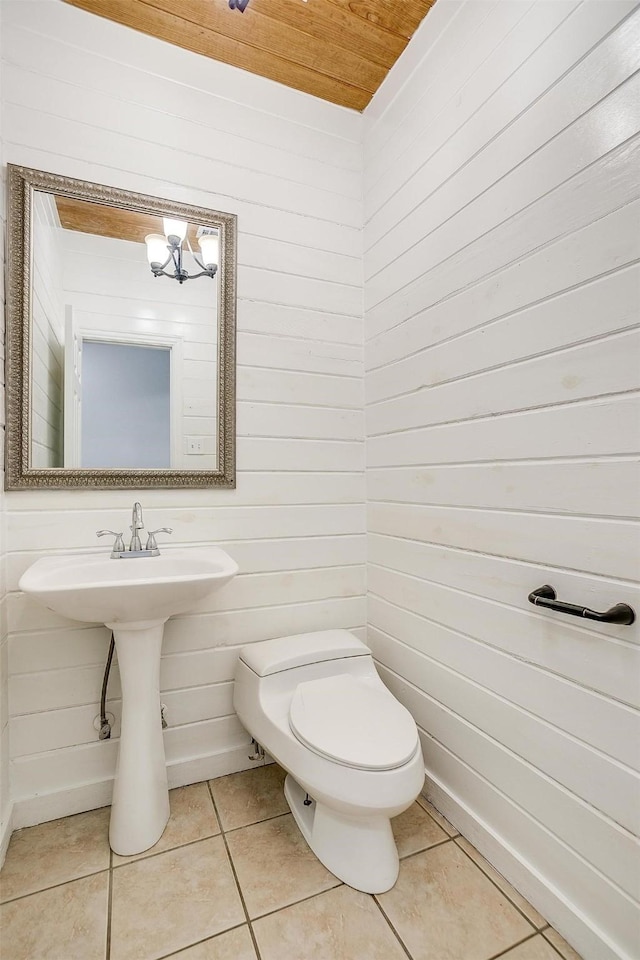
(232, 879)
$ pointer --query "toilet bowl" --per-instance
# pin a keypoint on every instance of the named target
(317, 705)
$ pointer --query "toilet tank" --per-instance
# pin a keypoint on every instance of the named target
(285, 653)
(269, 671)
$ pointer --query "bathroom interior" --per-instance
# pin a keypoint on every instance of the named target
(394, 484)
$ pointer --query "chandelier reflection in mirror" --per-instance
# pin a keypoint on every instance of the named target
(176, 233)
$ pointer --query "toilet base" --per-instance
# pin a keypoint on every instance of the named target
(361, 852)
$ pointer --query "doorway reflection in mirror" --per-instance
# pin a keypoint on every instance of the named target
(124, 364)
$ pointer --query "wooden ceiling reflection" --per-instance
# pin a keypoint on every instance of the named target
(104, 221)
(339, 50)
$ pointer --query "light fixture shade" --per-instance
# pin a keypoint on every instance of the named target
(209, 245)
(157, 250)
(175, 228)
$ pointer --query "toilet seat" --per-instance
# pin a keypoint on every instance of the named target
(353, 722)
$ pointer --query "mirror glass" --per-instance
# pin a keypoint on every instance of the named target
(120, 330)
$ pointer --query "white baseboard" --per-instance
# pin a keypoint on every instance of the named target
(28, 811)
(6, 829)
(208, 768)
(564, 916)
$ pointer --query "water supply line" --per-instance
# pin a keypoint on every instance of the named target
(105, 727)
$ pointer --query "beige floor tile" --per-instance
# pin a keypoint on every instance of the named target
(535, 949)
(234, 945)
(68, 922)
(161, 904)
(250, 796)
(444, 908)
(192, 818)
(342, 924)
(275, 866)
(561, 945)
(530, 912)
(437, 816)
(55, 852)
(415, 830)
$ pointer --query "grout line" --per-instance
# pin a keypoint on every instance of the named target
(158, 853)
(109, 906)
(450, 836)
(63, 883)
(294, 903)
(552, 945)
(498, 887)
(277, 816)
(182, 950)
(417, 853)
(374, 897)
(245, 826)
(512, 946)
(235, 875)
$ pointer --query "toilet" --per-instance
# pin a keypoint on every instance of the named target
(317, 705)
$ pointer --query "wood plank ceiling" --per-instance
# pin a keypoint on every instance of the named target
(339, 50)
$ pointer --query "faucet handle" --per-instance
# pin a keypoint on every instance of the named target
(151, 539)
(118, 546)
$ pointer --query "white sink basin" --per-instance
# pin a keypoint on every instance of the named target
(134, 597)
(101, 590)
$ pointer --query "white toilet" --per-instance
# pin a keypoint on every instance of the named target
(316, 704)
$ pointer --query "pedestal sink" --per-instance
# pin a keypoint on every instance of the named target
(134, 598)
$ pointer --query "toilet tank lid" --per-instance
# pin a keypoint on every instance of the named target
(285, 653)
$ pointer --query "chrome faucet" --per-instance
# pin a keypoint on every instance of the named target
(120, 552)
(136, 525)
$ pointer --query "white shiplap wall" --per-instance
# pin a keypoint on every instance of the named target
(91, 99)
(501, 290)
(5, 799)
(502, 236)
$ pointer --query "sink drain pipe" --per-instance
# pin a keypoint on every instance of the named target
(105, 727)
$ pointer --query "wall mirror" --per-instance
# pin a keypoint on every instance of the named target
(120, 338)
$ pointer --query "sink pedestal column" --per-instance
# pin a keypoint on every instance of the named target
(140, 805)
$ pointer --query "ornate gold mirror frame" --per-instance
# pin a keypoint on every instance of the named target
(19, 472)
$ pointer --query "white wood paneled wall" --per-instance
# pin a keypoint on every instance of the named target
(502, 298)
(501, 291)
(5, 797)
(94, 100)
